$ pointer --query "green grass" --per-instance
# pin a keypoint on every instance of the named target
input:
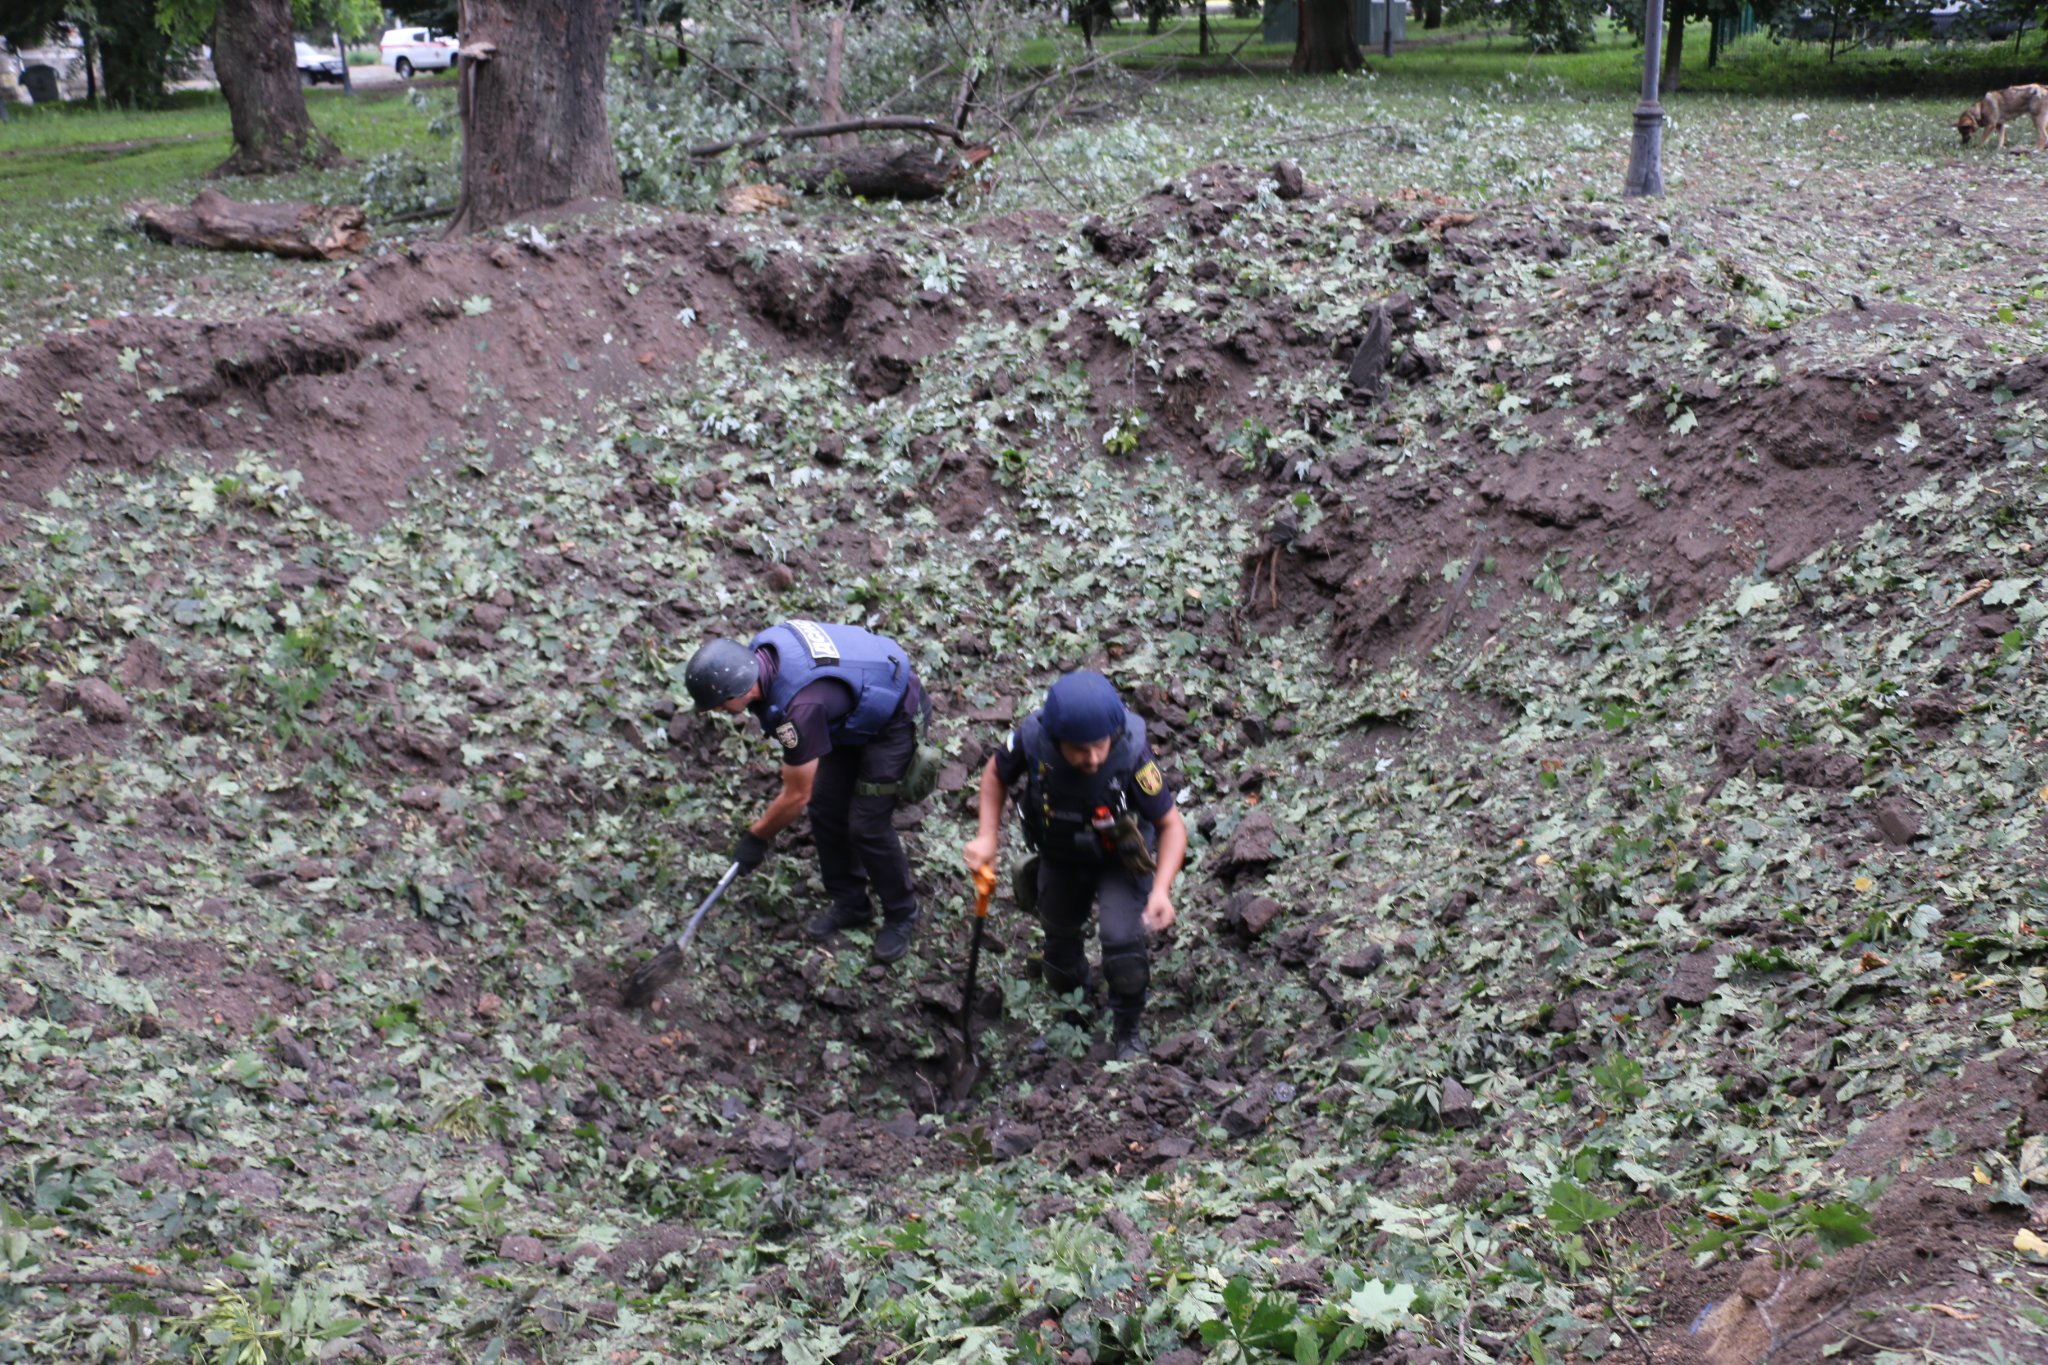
(58, 146)
(1473, 57)
(66, 172)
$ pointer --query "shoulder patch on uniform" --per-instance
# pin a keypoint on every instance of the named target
(1149, 779)
(786, 732)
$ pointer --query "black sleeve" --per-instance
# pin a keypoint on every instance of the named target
(806, 732)
(1010, 760)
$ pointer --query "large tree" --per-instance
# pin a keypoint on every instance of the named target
(534, 130)
(259, 77)
(1323, 41)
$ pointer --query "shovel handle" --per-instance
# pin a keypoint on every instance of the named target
(984, 890)
(690, 930)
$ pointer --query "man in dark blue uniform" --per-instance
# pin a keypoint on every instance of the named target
(847, 710)
(1106, 831)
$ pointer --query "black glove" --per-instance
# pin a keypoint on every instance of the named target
(750, 851)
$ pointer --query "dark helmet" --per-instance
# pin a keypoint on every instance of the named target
(719, 671)
(1083, 707)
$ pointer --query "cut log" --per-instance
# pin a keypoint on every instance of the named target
(311, 232)
(881, 171)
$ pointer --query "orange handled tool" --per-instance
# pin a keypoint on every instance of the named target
(970, 1065)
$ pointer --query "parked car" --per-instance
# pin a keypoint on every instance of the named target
(316, 66)
(406, 50)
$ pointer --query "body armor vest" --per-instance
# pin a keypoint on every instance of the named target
(874, 667)
(1064, 809)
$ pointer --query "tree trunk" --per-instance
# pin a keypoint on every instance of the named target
(1433, 14)
(831, 102)
(534, 133)
(259, 77)
(1324, 41)
(89, 39)
(348, 83)
(214, 221)
(1714, 23)
(1674, 48)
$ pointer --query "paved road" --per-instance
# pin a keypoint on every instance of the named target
(366, 78)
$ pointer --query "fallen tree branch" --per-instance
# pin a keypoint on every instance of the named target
(112, 1279)
(1015, 103)
(218, 223)
(882, 123)
(713, 67)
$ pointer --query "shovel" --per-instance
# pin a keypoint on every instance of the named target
(970, 1065)
(656, 972)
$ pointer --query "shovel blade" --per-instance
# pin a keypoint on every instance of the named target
(965, 1076)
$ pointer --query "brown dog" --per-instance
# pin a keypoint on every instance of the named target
(1998, 107)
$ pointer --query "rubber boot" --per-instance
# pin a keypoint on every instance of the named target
(894, 939)
(1126, 1042)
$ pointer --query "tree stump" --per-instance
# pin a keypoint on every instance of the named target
(307, 232)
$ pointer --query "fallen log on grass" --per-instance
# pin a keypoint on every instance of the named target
(881, 171)
(311, 232)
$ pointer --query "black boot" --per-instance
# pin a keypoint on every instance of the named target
(894, 940)
(1126, 1043)
(833, 918)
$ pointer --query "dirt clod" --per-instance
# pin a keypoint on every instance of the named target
(101, 703)
(1898, 821)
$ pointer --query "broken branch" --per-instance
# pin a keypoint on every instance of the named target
(882, 123)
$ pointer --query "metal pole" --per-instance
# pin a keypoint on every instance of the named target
(1646, 151)
(1387, 28)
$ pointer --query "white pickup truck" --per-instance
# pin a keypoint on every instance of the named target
(406, 50)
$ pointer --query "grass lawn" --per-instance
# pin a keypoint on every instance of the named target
(1462, 112)
(66, 255)
(58, 153)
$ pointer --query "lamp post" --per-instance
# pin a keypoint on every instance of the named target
(1646, 150)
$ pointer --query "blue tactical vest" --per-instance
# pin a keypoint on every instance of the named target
(874, 667)
(1060, 802)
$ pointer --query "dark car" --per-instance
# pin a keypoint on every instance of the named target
(316, 66)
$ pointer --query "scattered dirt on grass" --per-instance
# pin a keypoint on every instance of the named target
(450, 354)
(446, 355)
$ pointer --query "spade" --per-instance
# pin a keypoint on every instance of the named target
(970, 1065)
